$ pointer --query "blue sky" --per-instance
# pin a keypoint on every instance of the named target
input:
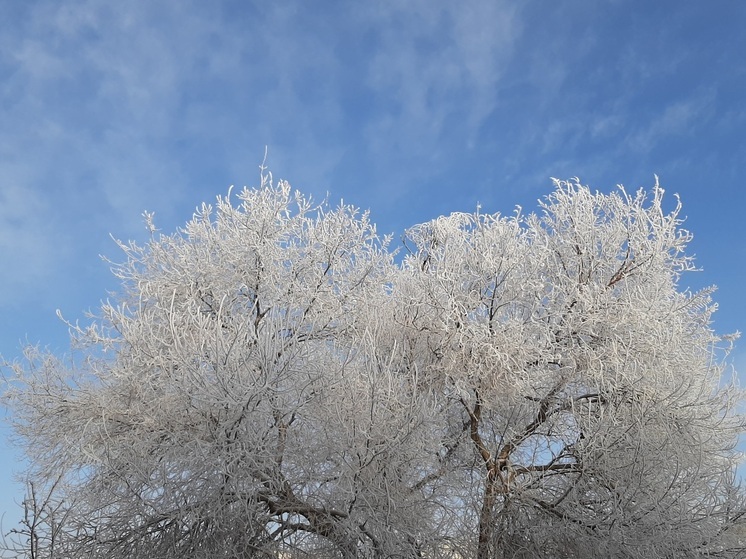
(411, 109)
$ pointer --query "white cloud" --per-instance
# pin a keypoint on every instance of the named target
(434, 60)
(79, 109)
(108, 108)
(681, 117)
(31, 245)
(123, 83)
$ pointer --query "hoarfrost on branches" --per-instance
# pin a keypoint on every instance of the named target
(272, 382)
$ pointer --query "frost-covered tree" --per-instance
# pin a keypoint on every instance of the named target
(589, 388)
(273, 381)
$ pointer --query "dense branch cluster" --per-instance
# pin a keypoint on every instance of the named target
(274, 381)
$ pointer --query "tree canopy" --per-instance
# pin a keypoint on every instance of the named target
(276, 380)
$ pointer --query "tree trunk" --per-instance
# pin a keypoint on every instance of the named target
(486, 525)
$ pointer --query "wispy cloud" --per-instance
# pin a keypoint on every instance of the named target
(109, 109)
(435, 71)
(98, 82)
(32, 246)
(679, 117)
(90, 103)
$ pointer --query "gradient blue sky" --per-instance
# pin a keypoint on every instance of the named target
(411, 109)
